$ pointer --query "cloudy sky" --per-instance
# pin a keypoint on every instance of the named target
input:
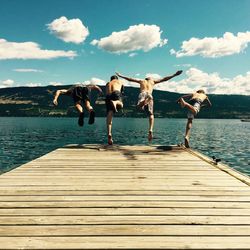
(63, 42)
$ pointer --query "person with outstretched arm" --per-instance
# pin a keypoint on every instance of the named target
(80, 96)
(145, 99)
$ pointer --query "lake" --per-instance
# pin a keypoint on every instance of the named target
(24, 138)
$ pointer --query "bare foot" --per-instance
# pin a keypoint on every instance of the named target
(187, 142)
(182, 102)
(150, 135)
(110, 140)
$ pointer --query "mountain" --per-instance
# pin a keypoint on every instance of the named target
(37, 101)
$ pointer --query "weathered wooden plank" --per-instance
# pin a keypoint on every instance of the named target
(59, 198)
(135, 204)
(121, 183)
(104, 173)
(70, 199)
(67, 192)
(124, 220)
(94, 167)
(120, 177)
(124, 230)
(123, 187)
(123, 242)
(124, 211)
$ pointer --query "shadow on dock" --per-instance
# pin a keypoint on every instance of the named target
(129, 152)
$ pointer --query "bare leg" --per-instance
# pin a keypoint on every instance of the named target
(141, 104)
(109, 126)
(88, 106)
(81, 114)
(188, 129)
(117, 104)
(91, 112)
(144, 103)
(79, 107)
(151, 126)
(188, 106)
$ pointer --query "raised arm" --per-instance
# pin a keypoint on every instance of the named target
(128, 78)
(57, 94)
(166, 78)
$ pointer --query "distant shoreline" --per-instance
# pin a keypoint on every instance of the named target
(37, 102)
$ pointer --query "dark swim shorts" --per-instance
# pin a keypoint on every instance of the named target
(79, 93)
(114, 96)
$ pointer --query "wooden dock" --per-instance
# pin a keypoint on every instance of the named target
(124, 197)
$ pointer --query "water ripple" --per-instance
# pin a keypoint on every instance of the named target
(24, 139)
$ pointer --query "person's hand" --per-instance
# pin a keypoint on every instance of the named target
(178, 72)
(55, 102)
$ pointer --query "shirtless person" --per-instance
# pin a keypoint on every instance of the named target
(113, 101)
(196, 101)
(114, 90)
(145, 99)
(79, 94)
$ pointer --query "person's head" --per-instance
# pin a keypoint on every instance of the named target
(200, 91)
(114, 77)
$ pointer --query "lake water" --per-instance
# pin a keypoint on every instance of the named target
(24, 139)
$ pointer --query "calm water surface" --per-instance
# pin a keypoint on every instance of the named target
(24, 139)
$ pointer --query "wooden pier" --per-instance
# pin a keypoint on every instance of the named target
(124, 197)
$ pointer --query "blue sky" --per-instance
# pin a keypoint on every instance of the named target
(67, 42)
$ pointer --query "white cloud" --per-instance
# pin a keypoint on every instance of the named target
(213, 47)
(212, 83)
(138, 37)
(7, 83)
(28, 70)
(172, 52)
(31, 84)
(55, 83)
(69, 30)
(95, 81)
(133, 54)
(29, 50)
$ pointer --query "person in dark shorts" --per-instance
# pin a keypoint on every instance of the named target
(80, 94)
(194, 104)
(113, 101)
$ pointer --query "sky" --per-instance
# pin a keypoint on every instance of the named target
(66, 42)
